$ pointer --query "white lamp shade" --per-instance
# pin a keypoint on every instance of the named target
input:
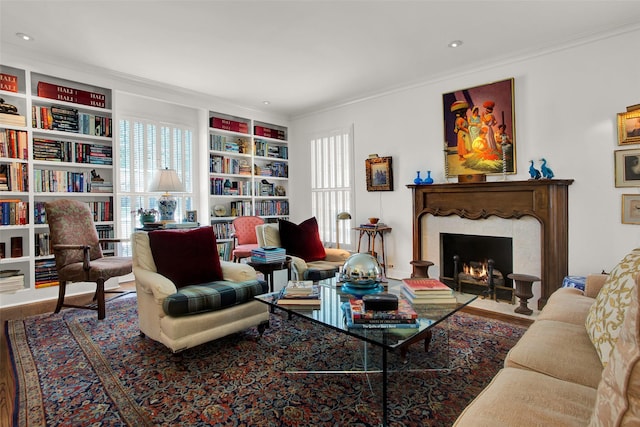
(166, 180)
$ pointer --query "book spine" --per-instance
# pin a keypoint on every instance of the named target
(67, 94)
(232, 125)
(8, 82)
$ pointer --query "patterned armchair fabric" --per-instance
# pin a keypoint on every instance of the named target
(77, 251)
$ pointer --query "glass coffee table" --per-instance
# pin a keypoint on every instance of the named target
(331, 315)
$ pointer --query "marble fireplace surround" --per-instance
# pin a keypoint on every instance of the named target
(544, 200)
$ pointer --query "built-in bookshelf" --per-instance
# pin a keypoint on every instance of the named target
(55, 141)
(248, 171)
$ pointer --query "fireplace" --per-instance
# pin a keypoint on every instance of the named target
(477, 264)
(546, 201)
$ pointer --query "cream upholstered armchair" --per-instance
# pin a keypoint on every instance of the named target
(310, 259)
(186, 295)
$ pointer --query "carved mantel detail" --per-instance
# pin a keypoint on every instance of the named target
(546, 200)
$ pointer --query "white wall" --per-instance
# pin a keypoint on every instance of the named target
(566, 103)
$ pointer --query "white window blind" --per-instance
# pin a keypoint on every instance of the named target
(331, 185)
(146, 146)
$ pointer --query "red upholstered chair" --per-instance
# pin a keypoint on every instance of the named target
(245, 236)
(78, 254)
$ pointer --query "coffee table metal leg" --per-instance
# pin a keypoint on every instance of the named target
(384, 387)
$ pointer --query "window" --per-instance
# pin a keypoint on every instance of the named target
(331, 185)
(146, 146)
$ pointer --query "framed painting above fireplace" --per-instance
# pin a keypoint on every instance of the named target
(479, 130)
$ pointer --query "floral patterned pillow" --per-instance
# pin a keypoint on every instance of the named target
(607, 313)
(620, 384)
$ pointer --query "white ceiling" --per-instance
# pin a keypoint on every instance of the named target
(301, 55)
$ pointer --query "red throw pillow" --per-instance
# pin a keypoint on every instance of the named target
(302, 240)
(187, 257)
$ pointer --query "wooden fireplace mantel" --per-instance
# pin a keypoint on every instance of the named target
(545, 199)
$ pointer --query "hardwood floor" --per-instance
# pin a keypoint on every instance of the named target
(7, 380)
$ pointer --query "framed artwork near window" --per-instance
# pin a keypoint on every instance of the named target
(629, 127)
(627, 167)
(631, 208)
(379, 174)
(192, 216)
(479, 130)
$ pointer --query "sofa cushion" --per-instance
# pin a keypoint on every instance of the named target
(567, 305)
(577, 361)
(607, 313)
(194, 299)
(618, 396)
(302, 240)
(516, 397)
(186, 257)
(271, 235)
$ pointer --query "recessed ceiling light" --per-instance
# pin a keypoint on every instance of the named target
(25, 37)
(266, 102)
(455, 43)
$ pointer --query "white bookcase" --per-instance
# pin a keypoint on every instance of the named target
(248, 172)
(55, 160)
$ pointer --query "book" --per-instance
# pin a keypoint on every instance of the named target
(404, 314)
(303, 303)
(13, 282)
(351, 323)
(67, 94)
(434, 299)
(300, 287)
(8, 82)
(424, 285)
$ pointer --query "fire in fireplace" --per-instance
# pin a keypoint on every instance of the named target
(468, 260)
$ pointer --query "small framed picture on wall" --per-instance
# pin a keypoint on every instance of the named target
(629, 127)
(627, 167)
(631, 208)
(379, 174)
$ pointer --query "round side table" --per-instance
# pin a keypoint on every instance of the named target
(267, 268)
(524, 283)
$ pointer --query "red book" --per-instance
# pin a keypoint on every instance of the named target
(420, 285)
(226, 124)
(8, 82)
(77, 96)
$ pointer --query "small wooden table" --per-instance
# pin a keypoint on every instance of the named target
(371, 233)
(267, 268)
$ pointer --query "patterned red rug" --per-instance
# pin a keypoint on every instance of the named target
(74, 370)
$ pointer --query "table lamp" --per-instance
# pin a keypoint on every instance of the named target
(341, 216)
(166, 180)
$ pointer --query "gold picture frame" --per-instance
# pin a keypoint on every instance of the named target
(627, 167)
(629, 127)
(479, 130)
(191, 216)
(631, 208)
(379, 174)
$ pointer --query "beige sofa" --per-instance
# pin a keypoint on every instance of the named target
(180, 333)
(576, 365)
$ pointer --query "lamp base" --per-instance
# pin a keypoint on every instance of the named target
(167, 208)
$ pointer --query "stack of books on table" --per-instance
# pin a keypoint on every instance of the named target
(358, 317)
(302, 294)
(421, 290)
(268, 254)
(11, 280)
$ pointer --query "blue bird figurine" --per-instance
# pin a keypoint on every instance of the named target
(547, 173)
(533, 172)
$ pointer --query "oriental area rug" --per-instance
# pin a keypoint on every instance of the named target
(72, 369)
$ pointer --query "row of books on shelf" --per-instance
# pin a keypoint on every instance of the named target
(265, 149)
(14, 144)
(228, 143)
(11, 280)
(272, 207)
(15, 248)
(13, 119)
(14, 177)
(300, 294)
(67, 151)
(276, 169)
(227, 124)
(270, 132)
(268, 254)
(421, 290)
(69, 94)
(220, 186)
(221, 164)
(45, 273)
(58, 181)
(102, 211)
(225, 250)
(14, 212)
(70, 120)
(223, 230)
(241, 208)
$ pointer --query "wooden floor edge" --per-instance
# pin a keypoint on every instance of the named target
(498, 316)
